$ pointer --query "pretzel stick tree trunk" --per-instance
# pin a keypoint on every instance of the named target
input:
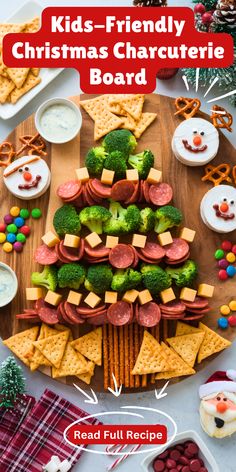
(126, 336)
(116, 354)
(131, 353)
(105, 358)
(111, 355)
(136, 351)
(121, 355)
(156, 334)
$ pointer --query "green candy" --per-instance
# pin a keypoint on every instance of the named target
(20, 237)
(36, 213)
(12, 228)
(24, 213)
(219, 254)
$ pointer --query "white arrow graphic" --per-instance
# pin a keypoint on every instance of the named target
(162, 392)
(93, 400)
(117, 391)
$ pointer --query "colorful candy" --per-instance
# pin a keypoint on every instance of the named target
(24, 213)
(181, 457)
(14, 211)
(2, 238)
(21, 238)
(226, 245)
(18, 246)
(219, 254)
(11, 237)
(234, 249)
(7, 247)
(13, 230)
(222, 274)
(25, 230)
(8, 219)
(230, 257)
(231, 270)
(225, 310)
(36, 213)
(3, 227)
(19, 221)
(223, 264)
(223, 323)
(232, 321)
(232, 305)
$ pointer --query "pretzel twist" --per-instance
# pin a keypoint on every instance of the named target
(35, 143)
(234, 174)
(221, 120)
(7, 153)
(188, 107)
(217, 174)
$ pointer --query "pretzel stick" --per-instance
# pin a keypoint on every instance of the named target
(116, 355)
(144, 376)
(105, 357)
(165, 330)
(111, 357)
(131, 353)
(121, 354)
(156, 334)
(7, 153)
(31, 142)
(136, 351)
(126, 335)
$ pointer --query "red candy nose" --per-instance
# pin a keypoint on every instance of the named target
(27, 176)
(224, 207)
(221, 407)
(197, 140)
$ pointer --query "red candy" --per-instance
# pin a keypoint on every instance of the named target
(25, 230)
(2, 228)
(175, 455)
(183, 460)
(222, 274)
(159, 466)
(180, 458)
(195, 465)
(186, 469)
(170, 464)
(234, 249)
(232, 321)
(193, 448)
(226, 245)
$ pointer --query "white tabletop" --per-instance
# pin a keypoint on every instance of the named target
(182, 402)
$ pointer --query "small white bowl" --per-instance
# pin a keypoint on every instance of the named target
(14, 286)
(64, 102)
(204, 452)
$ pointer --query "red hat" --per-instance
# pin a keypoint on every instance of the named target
(220, 381)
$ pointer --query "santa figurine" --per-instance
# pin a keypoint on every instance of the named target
(218, 404)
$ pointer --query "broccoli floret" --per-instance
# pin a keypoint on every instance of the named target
(71, 276)
(123, 220)
(94, 160)
(93, 217)
(155, 279)
(148, 219)
(125, 280)
(99, 278)
(185, 275)
(120, 140)
(47, 278)
(167, 217)
(66, 221)
(115, 161)
(142, 162)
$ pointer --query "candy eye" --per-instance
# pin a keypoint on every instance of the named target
(218, 399)
(26, 168)
(202, 133)
(20, 170)
(224, 199)
(232, 202)
(225, 399)
(195, 131)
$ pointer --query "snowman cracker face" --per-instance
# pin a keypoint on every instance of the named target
(28, 177)
(195, 142)
(218, 209)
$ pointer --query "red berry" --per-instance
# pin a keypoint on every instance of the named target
(222, 274)
(226, 245)
(25, 230)
(207, 18)
(199, 8)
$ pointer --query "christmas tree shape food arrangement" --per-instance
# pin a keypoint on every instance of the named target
(12, 382)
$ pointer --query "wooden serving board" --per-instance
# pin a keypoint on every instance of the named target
(188, 192)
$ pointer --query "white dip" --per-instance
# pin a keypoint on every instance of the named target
(7, 285)
(59, 122)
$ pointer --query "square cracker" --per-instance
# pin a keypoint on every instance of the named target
(6, 28)
(32, 26)
(73, 363)
(145, 121)
(21, 344)
(6, 87)
(150, 358)
(105, 121)
(187, 346)
(183, 328)
(211, 344)
(90, 345)
(88, 375)
(180, 367)
(17, 75)
(53, 347)
(133, 105)
(30, 83)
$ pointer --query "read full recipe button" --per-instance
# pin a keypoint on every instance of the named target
(122, 434)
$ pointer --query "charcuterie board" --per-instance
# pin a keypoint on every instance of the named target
(188, 191)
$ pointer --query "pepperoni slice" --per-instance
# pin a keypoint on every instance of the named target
(96, 198)
(177, 250)
(193, 318)
(136, 258)
(45, 255)
(72, 313)
(173, 316)
(98, 320)
(146, 186)
(141, 195)
(134, 197)
(98, 251)
(89, 200)
(59, 255)
(153, 250)
(68, 252)
(81, 249)
(160, 194)
(119, 313)
(48, 315)
(121, 256)
(103, 191)
(64, 315)
(199, 310)
(89, 311)
(173, 307)
(30, 318)
(69, 189)
(59, 313)
(122, 190)
(180, 261)
(147, 259)
(92, 260)
(79, 202)
(30, 311)
(93, 315)
(199, 302)
(149, 315)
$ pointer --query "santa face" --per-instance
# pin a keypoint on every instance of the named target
(195, 142)
(218, 414)
(218, 208)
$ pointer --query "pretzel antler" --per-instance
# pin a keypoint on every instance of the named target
(217, 174)
(188, 107)
(221, 118)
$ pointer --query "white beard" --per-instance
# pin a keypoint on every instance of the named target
(207, 416)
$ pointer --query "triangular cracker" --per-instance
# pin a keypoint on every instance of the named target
(38, 358)
(145, 121)
(21, 344)
(6, 87)
(88, 375)
(33, 25)
(53, 348)
(90, 345)
(181, 368)
(133, 105)
(211, 344)
(128, 122)
(187, 346)
(105, 121)
(114, 105)
(6, 28)
(17, 75)
(73, 363)
(183, 328)
(30, 83)
(150, 358)
(35, 71)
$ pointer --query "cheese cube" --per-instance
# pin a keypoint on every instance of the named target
(34, 293)
(93, 239)
(71, 241)
(188, 294)
(139, 240)
(187, 234)
(92, 300)
(111, 297)
(154, 176)
(53, 298)
(165, 238)
(112, 241)
(107, 176)
(132, 174)
(74, 297)
(82, 174)
(167, 295)
(144, 297)
(50, 239)
(205, 290)
(130, 296)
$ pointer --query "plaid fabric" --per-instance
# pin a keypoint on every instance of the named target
(41, 435)
(11, 419)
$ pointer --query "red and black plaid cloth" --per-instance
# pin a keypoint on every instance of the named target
(41, 435)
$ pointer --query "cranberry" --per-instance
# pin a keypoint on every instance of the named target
(164, 454)
(195, 465)
(186, 469)
(158, 466)
(170, 464)
(193, 448)
(183, 460)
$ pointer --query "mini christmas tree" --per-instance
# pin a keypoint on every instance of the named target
(12, 382)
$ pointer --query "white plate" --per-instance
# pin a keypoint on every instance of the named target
(25, 13)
